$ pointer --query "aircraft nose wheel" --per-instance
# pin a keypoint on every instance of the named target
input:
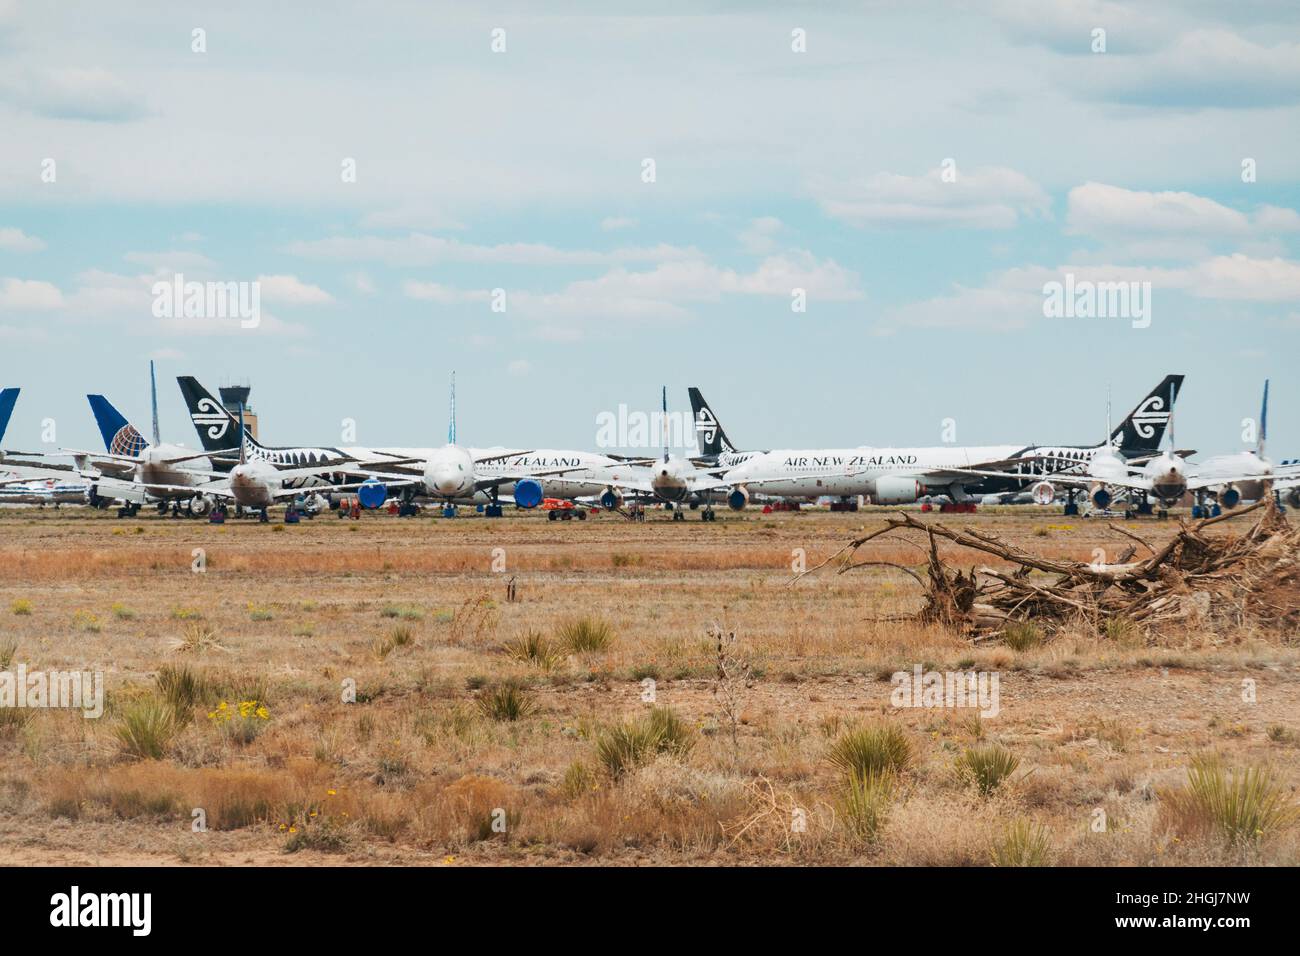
(449, 511)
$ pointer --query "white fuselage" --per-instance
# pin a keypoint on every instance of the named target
(153, 471)
(853, 471)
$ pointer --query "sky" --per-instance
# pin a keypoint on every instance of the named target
(837, 219)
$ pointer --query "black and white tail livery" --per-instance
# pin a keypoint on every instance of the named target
(1142, 431)
(713, 441)
(217, 428)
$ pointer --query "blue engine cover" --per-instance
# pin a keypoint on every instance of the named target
(1230, 498)
(609, 501)
(528, 493)
(737, 500)
(372, 493)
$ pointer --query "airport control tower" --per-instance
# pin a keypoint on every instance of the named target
(231, 397)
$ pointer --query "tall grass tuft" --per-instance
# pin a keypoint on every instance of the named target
(1022, 636)
(585, 635)
(628, 745)
(872, 750)
(182, 689)
(987, 766)
(146, 728)
(864, 804)
(1241, 806)
(507, 701)
(1023, 843)
(533, 648)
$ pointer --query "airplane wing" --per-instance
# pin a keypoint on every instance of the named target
(491, 482)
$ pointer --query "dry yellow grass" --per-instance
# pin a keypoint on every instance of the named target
(413, 771)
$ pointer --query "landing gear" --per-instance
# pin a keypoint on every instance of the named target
(407, 509)
(162, 507)
(708, 514)
(262, 516)
(129, 510)
(217, 515)
(492, 511)
(1071, 507)
(449, 510)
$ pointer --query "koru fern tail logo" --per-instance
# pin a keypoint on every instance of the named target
(1151, 413)
(207, 414)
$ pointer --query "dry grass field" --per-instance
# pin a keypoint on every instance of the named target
(486, 730)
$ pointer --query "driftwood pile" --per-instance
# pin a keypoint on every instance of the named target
(1249, 580)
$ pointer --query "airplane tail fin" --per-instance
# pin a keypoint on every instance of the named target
(712, 439)
(120, 436)
(1264, 422)
(7, 399)
(1143, 429)
(217, 428)
(153, 403)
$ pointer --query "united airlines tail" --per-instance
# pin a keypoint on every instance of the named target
(7, 399)
(1143, 429)
(713, 440)
(217, 428)
(120, 436)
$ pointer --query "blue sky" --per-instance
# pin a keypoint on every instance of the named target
(522, 170)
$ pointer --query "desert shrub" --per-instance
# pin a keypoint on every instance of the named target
(21, 607)
(864, 802)
(872, 750)
(628, 745)
(586, 634)
(507, 701)
(533, 648)
(146, 728)
(987, 766)
(1022, 636)
(1241, 806)
(182, 688)
(1023, 843)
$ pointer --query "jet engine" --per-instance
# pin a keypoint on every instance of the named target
(372, 493)
(1101, 497)
(892, 490)
(1044, 493)
(528, 493)
(611, 500)
(200, 505)
(738, 498)
(1229, 497)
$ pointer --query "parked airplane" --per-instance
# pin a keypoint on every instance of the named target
(29, 477)
(1252, 464)
(670, 479)
(903, 475)
(452, 475)
(136, 470)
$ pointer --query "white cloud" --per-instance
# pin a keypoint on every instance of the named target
(79, 94)
(441, 294)
(991, 197)
(413, 216)
(1066, 25)
(290, 290)
(1098, 210)
(29, 295)
(614, 223)
(519, 367)
(418, 249)
(1203, 68)
(172, 261)
(759, 237)
(15, 240)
